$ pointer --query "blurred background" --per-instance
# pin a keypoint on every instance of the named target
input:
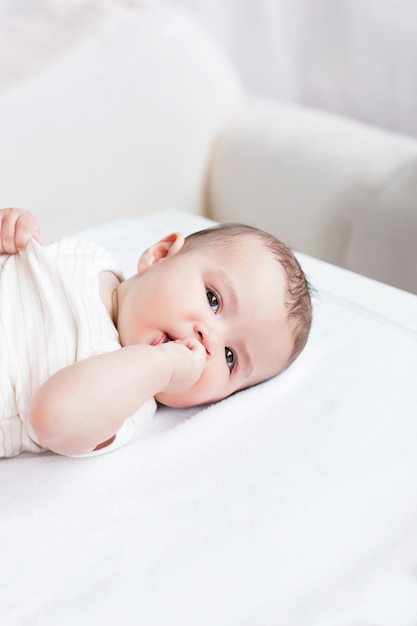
(114, 108)
(353, 57)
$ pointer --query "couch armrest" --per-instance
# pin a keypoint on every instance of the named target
(328, 186)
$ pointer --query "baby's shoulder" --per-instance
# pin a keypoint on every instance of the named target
(83, 255)
(71, 246)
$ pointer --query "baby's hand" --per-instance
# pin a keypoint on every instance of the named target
(188, 359)
(16, 227)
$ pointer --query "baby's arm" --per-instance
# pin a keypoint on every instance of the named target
(86, 403)
(16, 227)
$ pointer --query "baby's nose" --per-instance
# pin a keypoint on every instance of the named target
(207, 336)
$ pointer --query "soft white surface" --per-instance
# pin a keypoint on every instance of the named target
(292, 503)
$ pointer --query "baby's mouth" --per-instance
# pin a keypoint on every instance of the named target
(164, 338)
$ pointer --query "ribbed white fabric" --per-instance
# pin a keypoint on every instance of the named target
(51, 315)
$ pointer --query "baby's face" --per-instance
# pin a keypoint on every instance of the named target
(232, 300)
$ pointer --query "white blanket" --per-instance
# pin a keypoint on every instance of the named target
(290, 504)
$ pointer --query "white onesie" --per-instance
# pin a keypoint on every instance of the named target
(52, 315)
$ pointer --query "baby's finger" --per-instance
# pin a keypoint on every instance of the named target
(26, 227)
(191, 343)
(7, 232)
(16, 227)
(196, 348)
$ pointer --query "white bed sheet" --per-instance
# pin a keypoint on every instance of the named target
(289, 504)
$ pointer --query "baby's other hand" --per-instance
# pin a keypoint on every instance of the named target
(188, 359)
(16, 227)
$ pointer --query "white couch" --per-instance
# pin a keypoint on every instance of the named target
(122, 108)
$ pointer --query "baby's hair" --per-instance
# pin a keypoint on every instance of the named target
(298, 301)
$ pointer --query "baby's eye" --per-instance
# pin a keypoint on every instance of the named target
(230, 357)
(213, 300)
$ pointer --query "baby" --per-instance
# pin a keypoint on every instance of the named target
(205, 316)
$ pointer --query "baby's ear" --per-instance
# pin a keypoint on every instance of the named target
(168, 246)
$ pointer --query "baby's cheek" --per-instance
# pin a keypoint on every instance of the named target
(212, 384)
